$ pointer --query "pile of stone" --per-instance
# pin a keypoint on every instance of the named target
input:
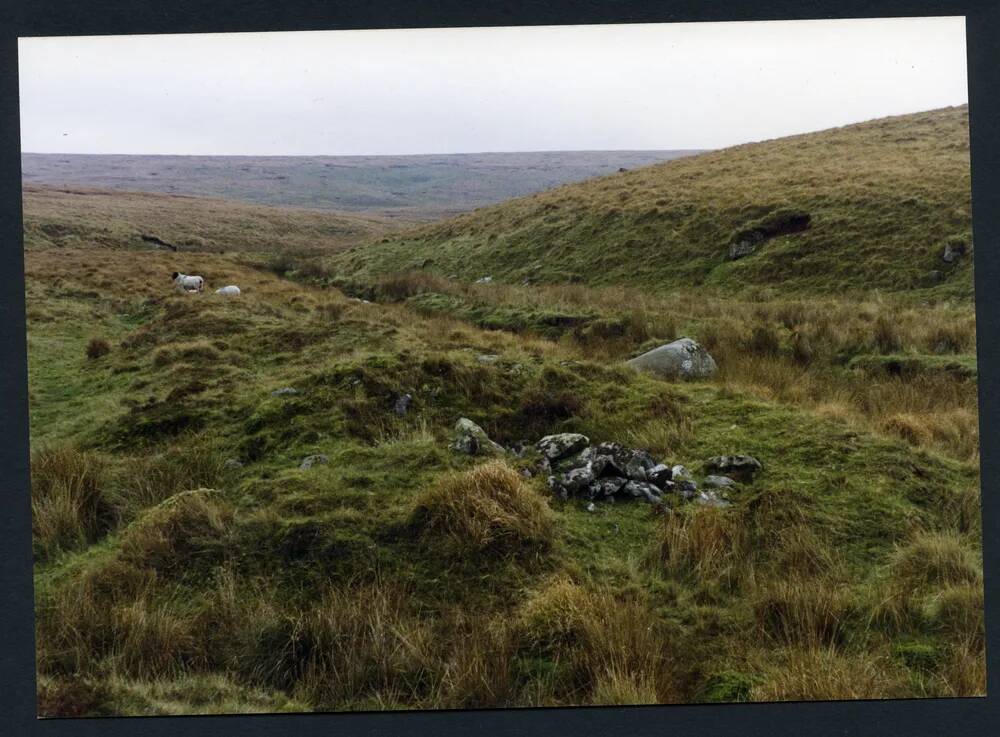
(609, 471)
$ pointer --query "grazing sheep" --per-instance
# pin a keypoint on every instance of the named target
(230, 291)
(186, 283)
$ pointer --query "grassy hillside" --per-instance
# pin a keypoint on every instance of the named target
(61, 217)
(410, 187)
(170, 579)
(883, 198)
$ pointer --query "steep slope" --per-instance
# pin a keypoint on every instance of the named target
(866, 206)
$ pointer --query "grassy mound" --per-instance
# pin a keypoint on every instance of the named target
(488, 509)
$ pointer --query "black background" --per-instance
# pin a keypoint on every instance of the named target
(67, 17)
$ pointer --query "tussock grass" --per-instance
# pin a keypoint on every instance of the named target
(488, 509)
(186, 529)
(807, 612)
(612, 650)
(824, 674)
(69, 502)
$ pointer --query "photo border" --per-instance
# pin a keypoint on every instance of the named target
(911, 717)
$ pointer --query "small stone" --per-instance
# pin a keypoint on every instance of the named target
(402, 404)
(718, 482)
(314, 460)
(233, 463)
(591, 507)
(488, 358)
(711, 498)
(952, 252)
(284, 391)
(484, 280)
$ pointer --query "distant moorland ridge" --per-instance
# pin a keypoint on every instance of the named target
(427, 186)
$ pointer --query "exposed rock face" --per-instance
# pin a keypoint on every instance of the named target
(562, 445)
(739, 467)
(471, 439)
(683, 358)
(314, 460)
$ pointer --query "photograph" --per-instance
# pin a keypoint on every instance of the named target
(499, 367)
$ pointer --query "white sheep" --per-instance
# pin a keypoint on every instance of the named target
(186, 283)
(229, 291)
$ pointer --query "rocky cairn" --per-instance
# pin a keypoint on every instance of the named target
(605, 472)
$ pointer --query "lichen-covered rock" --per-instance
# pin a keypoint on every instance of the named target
(683, 358)
(608, 486)
(562, 444)
(643, 489)
(638, 465)
(471, 439)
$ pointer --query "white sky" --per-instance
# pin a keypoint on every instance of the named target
(655, 86)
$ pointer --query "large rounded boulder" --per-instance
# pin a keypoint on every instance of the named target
(683, 358)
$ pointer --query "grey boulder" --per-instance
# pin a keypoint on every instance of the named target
(683, 358)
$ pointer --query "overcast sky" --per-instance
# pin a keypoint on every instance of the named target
(657, 86)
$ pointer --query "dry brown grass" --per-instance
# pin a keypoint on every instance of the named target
(824, 674)
(489, 508)
(608, 642)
